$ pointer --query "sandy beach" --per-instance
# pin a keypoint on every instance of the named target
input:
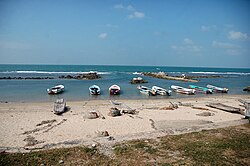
(31, 126)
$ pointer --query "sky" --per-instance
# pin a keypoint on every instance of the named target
(194, 33)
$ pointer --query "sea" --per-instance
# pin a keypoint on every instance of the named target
(32, 90)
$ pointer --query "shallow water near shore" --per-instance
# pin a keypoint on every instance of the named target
(35, 90)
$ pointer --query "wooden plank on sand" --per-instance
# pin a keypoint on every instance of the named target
(226, 108)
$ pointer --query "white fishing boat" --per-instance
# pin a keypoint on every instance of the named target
(183, 90)
(218, 89)
(56, 89)
(161, 91)
(59, 106)
(200, 89)
(114, 90)
(146, 90)
(94, 90)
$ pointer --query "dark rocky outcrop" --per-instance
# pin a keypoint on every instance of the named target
(247, 89)
(163, 75)
(85, 76)
(25, 78)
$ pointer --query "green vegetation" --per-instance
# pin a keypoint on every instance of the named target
(228, 146)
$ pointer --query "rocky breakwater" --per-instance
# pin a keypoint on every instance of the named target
(25, 78)
(163, 75)
(82, 76)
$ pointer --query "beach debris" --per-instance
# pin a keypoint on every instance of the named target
(199, 108)
(114, 112)
(226, 108)
(173, 105)
(102, 133)
(153, 124)
(61, 162)
(92, 115)
(247, 89)
(125, 109)
(110, 138)
(247, 107)
(167, 108)
(205, 114)
(31, 141)
(44, 126)
(46, 122)
(60, 106)
(185, 104)
(138, 80)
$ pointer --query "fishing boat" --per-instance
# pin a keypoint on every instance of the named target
(183, 90)
(161, 91)
(56, 89)
(59, 106)
(218, 89)
(146, 90)
(114, 90)
(200, 89)
(94, 90)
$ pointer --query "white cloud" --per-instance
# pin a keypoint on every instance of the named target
(103, 36)
(136, 15)
(188, 41)
(237, 35)
(121, 6)
(208, 28)
(224, 45)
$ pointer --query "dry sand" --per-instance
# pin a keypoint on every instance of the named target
(31, 126)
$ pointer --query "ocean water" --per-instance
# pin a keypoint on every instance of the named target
(35, 90)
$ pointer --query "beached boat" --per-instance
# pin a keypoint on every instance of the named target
(146, 90)
(56, 89)
(218, 89)
(161, 91)
(94, 90)
(183, 90)
(59, 106)
(200, 89)
(114, 90)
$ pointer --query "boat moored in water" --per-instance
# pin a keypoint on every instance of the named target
(146, 90)
(218, 89)
(200, 89)
(161, 91)
(56, 89)
(94, 90)
(114, 90)
(183, 90)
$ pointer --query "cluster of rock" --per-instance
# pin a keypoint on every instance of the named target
(163, 75)
(138, 80)
(247, 89)
(85, 76)
(25, 78)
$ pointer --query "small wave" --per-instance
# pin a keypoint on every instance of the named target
(137, 73)
(221, 73)
(53, 72)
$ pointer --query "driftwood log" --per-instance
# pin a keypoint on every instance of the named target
(226, 108)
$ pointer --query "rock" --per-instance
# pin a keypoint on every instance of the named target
(115, 112)
(247, 89)
(61, 162)
(110, 138)
(205, 114)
